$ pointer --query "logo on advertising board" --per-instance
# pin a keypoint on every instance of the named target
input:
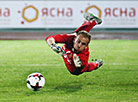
(48, 15)
(119, 16)
(56, 16)
(67, 14)
(95, 10)
(5, 14)
(114, 16)
(29, 14)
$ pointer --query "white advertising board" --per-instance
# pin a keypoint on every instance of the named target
(67, 14)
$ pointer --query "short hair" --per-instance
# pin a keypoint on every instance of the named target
(85, 34)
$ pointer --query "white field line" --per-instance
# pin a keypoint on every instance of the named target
(31, 64)
(121, 63)
(59, 64)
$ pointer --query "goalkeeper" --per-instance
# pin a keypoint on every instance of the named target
(75, 50)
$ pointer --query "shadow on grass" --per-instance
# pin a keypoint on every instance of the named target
(65, 88)
(69, 88)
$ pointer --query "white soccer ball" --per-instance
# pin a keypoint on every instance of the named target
(35, 81)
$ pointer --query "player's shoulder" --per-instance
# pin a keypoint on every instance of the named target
(69, 35)
(73, 34)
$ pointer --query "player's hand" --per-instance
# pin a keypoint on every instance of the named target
(57, 49)
(77, 60)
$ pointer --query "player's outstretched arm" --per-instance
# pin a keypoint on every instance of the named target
(54, 47)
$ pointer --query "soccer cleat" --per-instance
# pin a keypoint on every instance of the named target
(99, 62)
(89, 16)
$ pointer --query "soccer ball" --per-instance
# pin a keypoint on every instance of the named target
(35, 81)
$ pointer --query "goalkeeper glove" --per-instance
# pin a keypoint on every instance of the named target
(57, 49)
(77, 60)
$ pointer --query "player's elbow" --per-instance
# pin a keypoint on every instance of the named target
(50, 40)
(47, 38)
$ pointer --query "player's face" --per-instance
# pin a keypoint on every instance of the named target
(81, 43)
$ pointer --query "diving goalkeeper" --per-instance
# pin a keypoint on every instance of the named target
(75, 50)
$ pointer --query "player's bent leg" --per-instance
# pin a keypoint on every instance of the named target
(90, 17)
(87, 26)
(92, 20)
(94, 65)
(100, 63)
(91, 66)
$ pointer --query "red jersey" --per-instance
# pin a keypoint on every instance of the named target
(67, 40)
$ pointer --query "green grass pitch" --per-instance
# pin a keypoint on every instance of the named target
(116, 81)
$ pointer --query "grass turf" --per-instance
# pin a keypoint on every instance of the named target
(116, 81)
